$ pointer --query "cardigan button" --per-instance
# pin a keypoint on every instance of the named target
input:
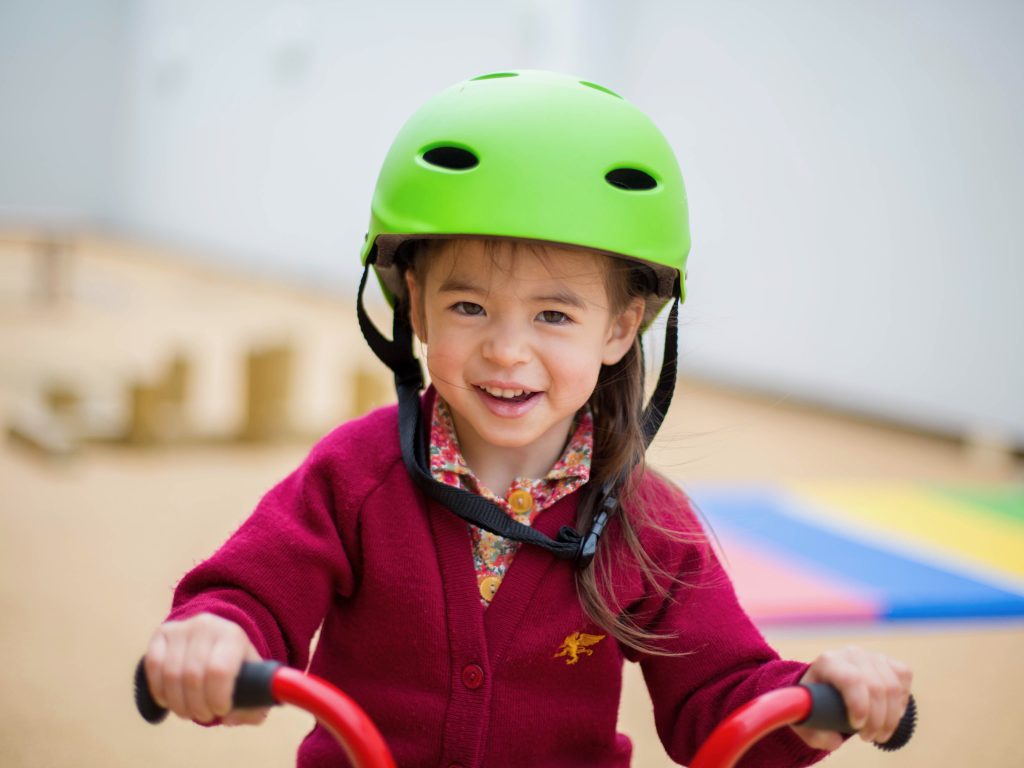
(472, 676)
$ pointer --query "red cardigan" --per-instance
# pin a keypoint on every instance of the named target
(349, 541)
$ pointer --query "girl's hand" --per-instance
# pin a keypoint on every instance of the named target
(875, 688)
(192, 665)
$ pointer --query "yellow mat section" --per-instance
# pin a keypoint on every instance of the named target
(920, 516)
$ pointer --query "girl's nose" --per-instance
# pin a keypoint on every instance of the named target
(506, 345)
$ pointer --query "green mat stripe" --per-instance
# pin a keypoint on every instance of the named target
(1006, 502)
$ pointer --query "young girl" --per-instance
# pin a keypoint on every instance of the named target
(482, 559)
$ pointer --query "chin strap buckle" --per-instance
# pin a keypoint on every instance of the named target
(588, 543)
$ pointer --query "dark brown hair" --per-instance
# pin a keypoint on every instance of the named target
(618, 455)
(619, 451)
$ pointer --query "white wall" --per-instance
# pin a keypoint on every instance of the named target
(855, 175)
(257, 127)
(61, 66)
(853, 168)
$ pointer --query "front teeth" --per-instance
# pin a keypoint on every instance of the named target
(504, 393)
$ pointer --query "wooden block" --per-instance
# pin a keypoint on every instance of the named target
(144, 414)
(62, 398)
(371, 388)
(268, 394)
(174, 384)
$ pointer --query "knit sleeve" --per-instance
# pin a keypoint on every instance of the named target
(276, 575)
(721, 660)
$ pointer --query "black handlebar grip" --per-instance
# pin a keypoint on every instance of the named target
(252, 689)
(151, 711)
(252, 686)
(828, 713)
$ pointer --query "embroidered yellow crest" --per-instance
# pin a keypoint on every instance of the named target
(576, 645)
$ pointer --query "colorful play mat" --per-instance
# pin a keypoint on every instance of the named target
(837, 553)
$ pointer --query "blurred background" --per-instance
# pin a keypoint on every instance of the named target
(184, 187)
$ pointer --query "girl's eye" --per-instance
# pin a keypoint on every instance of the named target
(554, 317)
(467, 308)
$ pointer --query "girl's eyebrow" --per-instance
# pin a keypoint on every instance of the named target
(455, 284)
(564, 296)
(459, 285)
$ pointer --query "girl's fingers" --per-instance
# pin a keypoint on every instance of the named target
(223, 666)
(896, 700)
(857, 697)
(154, 665)
(248, 716)
(848, 677)
(173, 669)
(191, 666)
(906, 678)
(874, 688)
(844, 670)
(194, 673)
(877, 683)
(903, 673)
(838, 668)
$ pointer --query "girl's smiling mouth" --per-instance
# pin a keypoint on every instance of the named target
(505, 399)
(513, 393)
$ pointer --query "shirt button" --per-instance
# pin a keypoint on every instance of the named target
(521, 501)
(472, 676)
(489, 586)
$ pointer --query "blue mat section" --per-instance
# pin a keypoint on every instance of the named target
(908, 588)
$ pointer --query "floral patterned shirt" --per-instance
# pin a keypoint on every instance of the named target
(526, 498)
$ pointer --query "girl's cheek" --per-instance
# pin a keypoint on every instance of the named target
(441, 332)
(579, 350)
(575, 372)
(441, 354)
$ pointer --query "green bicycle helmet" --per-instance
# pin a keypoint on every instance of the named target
(533, 155)
(537, 156)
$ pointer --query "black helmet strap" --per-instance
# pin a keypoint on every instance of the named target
(398, 355)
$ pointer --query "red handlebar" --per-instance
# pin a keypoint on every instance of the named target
(755, 719)
(337, 713)
(815, 705)
(268, 683)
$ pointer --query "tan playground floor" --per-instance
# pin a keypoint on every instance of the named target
(91, 545)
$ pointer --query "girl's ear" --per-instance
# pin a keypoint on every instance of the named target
(417, 315)
(623, 331)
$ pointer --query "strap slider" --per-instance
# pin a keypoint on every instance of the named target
(588, 544)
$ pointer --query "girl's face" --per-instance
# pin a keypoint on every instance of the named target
(515, 340)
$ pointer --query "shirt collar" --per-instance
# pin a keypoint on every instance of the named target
(447, 463)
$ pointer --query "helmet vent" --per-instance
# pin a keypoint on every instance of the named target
(632, 179)
(601, 88)
(495, 75)
(453, 158)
